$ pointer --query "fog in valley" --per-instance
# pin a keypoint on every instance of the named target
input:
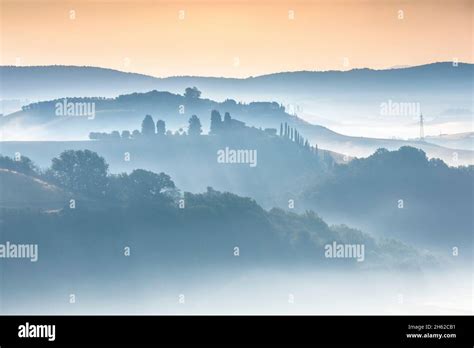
(293, 193)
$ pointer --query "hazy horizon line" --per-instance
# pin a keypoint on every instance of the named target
(395, 67)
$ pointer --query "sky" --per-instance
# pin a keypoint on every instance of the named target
(236, 38)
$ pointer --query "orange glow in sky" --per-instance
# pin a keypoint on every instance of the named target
(235, 38)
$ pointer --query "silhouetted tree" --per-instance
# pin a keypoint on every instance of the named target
(281, 129)
(126, 134)
(23, 165)
(227, 120)
(146, 184)
(160, 127)
(216, 122)
(80, 171)
(192, 93)
(136, 133)
(148, 126)
(194, 127)
(115, 135)
(141, 185)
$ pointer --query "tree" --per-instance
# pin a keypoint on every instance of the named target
(192, 93)
(194, 126)
(115, 135)
(126, 134)
(216, 122)
(22, 165)
(230, 103)
(136, 134)
(102, 135)
(81, 171)
(227, 119)
(281, 129)
(141, 185)
(160, 127)
(147, 185)
(148, 126)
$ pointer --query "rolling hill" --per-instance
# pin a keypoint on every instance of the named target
(50, 82)
(24, 191)
(39, 121)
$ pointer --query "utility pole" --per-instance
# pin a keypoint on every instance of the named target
(422, 131)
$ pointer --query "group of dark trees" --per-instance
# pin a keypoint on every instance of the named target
(114, 135)
(146, 199)
(149, 128)
(85, 173)
(22, 165)
(402, 193)
(292, 133)
(219, 125)
(79, 171)
(192, 93)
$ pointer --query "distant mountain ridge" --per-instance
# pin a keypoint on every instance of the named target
(49, 82)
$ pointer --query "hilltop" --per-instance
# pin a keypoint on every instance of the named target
(39, 121)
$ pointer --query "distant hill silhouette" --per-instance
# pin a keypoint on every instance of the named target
(193, 160)
(50, 82)
(175, 229)
(454, 141)
(400, 194)
(40, 121)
